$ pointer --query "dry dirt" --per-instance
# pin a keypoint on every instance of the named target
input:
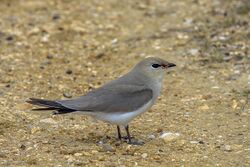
(60, 48)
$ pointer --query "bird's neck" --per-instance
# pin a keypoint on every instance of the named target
(154, 83)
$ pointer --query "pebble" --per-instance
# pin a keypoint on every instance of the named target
(33, 31)
(169, 136)
(100, 55)
(35, 130)
(70, 159)
(144, 155)
(69, 72)
(67, 95)
(48, 121)
(45, 38)
(188, 21)
(194, 142)
(206, 97)
(151, 136)
(55, 17)
(49, 56)
(194, 52)
(107, 148)
(227, 148)
(9, 38)
(204, 107)
(114, 41)
(78, 154)
(22, 146)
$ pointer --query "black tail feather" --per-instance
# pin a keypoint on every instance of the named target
(46, 108)
(44, 103)
(50, 105)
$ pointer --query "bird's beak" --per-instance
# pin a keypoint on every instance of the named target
(168, 65)
(171, 65)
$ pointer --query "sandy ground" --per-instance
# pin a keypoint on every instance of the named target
(58, 49)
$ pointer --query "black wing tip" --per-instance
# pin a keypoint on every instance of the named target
(43, 102)
(49, 105)
(32, 100)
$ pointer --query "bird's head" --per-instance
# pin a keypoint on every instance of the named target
(153, 67)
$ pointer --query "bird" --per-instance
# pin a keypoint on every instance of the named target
(119, 101)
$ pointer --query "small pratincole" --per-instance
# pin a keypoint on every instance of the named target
(119, 101)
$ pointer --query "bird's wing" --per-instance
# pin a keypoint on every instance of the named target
(115, 98)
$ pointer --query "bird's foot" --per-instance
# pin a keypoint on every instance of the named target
(132, 140)
(126, 137)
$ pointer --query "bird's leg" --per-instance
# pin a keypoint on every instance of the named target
(119, 133)
(134, 142)
(128, 135)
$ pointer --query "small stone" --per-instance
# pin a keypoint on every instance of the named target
(128, 147)
(100, 55)
(194, 142)
(114, 41)
(56, 17)
(201, 142)
(227, 148)
(151, 137)
(23, 147)
(107, 148)
(33, 31)
(86, 154)
(118, 143)
(206, 97)
(71, 159)
(48, 121)
(101, 158)
(188, 21)
(159, 130)
(94, 151)
(35, 130)
(204, 107)
(227, 58)
(157, 157)
(144, 155)
(9, 38)
(67, 95)
(45, 38)
(194, 52)
(49, 56)
(234, 104)
(69, 72)
(222, 38)
(169, 136)
(78, 154)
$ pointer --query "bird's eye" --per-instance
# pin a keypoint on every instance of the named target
(156, 65)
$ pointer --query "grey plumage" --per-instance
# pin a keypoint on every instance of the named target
(120, 100)
(120, 94)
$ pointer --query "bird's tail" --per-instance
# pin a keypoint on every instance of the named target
(49, 105)
(44, 103)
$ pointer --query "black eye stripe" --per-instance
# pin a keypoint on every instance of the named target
(156, 65)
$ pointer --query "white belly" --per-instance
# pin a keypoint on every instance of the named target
(121, 118)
